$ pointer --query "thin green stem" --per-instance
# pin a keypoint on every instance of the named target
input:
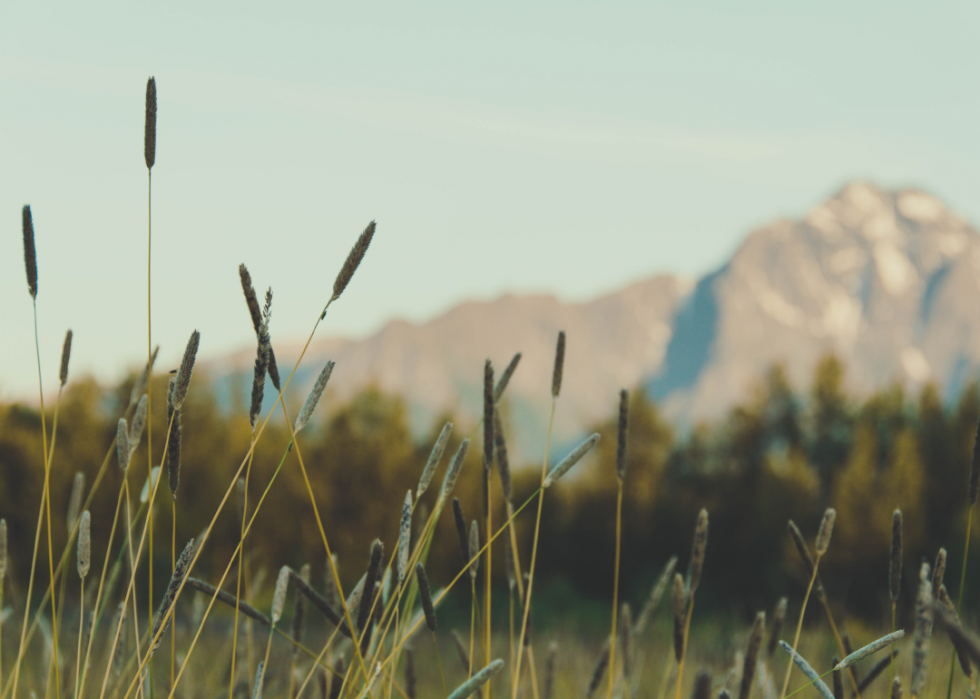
(615, 599)
(799, 628)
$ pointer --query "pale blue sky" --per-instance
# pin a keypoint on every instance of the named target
(562, 147)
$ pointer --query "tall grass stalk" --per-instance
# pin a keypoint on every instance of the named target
(621, 435)
(149, 156)
(556, 379)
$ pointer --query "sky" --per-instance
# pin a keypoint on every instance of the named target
(504, 147)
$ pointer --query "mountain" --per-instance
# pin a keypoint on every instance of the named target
(886, 279)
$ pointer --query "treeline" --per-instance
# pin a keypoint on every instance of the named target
(778, 456)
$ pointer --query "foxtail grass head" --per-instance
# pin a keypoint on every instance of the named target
(826, 531)
(279, 596)
(455, 466)
(559, 369)
(474, 548)
(565, 465)
(470, 686)
(150, 124)
(435, 456)
(778, 618)
(460, 522)
(679, 607)
(30, 253)
(353, 261)
(488, 409)
(500, 453)
(75, 499)
(939, 571)
(621, 433)
(505, 377)
(255, 313)
(65, 357)
(84, 544)
(183, 379)
(752, 655)
(895, 560)
(262, 353)
(923, 631)
(122, 443)
(311, 400)
(698, 549)
(405, 537)
(425, 596)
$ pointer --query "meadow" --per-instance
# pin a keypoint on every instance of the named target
(145, 581)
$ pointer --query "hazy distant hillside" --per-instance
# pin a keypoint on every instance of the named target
(890, 280)
(616, 340)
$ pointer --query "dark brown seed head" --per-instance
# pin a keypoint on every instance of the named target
(895, 562)
(974, 469)
(259, 371)
(150, 124)
(30, 254)
(299, 609)
(702, 686)
(800, 543)
(838, 680)
(939, 570)
(354, 258)
(723, 694)
(623, 428)
(409, 674)
(778, 617)
(598, 672)
(65, 356)
(679, 606)
(965, 644)
(425, 595)
(503, 463)
(752, 656)
(256, 315)
(183, 379)
(3, 549)
(825, 531)
(511, 565)
(698, 549)
(460, 522)
(373, 571)
(876, 670)
(488, 410)
(923, 631)
(559, 365)
(504, 379)
(896, 688)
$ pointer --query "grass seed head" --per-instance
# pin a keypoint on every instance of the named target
(896, 688)
(75, 499)
(404, 537)
(505, 377)
(30, 253)
(183, 379)
(621, 433)
(939, 570)
(65, 357)
(559, 369)
(452, 473)
(702, 686)
(460, 522)
(500, 450)
(778, 617)
(150, 124)
(474, 548)
(895, 561)
(435, 456)
(311, 400)
(679, 607)
(656, 594)
(752, 655)
(279, 597)
(353, 260)
(565, 465)
(826, 531)
(425, 596)
(923, 631)
(84, 544)
(122, 444)
(698, 549)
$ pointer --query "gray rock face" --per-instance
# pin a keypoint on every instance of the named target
(886, 279)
